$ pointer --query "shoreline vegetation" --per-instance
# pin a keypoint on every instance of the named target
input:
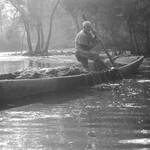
(65, 51)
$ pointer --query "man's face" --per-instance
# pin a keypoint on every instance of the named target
(87, 28)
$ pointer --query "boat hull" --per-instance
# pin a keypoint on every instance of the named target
(11, 90)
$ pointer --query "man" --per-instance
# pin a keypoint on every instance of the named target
(85, 42)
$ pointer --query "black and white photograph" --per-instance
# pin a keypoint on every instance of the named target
(74, 74)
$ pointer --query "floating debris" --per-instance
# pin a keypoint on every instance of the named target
(105, 87)
(91, 134)
(34, 73)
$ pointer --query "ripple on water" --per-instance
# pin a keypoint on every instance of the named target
(110, 120)
(143, 141)
(30, 115)
(143, 81)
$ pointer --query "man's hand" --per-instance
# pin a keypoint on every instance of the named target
(113, 69)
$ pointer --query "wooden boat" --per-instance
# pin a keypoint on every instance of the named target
(11, 90)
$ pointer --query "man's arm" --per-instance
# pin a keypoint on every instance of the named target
(82, 46)
(93, 42)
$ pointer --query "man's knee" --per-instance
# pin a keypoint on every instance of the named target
(83, 60)
(93, 56)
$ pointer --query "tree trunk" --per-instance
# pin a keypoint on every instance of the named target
(27, 29)
(50, 27)
(147, 38)
(42, 37)
(22, 43)
(74, 17)
(26, 23)
(38, 44)
(135, 40)
(1, 22)
(75, 20)
(133, 36)
(132, 43)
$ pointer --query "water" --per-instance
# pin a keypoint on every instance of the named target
(87, 119)
(10, 62)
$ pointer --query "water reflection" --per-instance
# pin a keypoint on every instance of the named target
(9, 64)
(88, 119)
(12, 66)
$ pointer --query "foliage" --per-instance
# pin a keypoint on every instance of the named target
(122, 24)
(33, 14)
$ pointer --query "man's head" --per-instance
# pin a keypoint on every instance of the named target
(87, 26)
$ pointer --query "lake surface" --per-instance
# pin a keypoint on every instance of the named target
(10, 63)
(97, 118)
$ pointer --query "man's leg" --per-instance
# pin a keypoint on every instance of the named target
(98, 63)
(83, 60)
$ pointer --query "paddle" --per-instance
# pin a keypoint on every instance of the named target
(102, 44)
(107, 53)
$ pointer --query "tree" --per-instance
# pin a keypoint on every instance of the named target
(137, 14)
(101, 12)
(73, 8)
(123, 24)
(32, 13)
(50, 26)
(2, 2)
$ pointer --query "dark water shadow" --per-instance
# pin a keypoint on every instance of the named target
(48, 98)
(96, 119)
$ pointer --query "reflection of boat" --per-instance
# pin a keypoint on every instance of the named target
(15, 89)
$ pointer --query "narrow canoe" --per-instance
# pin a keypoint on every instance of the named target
(11, 90)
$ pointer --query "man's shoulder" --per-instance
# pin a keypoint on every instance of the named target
(81, 35)
(82, 32)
